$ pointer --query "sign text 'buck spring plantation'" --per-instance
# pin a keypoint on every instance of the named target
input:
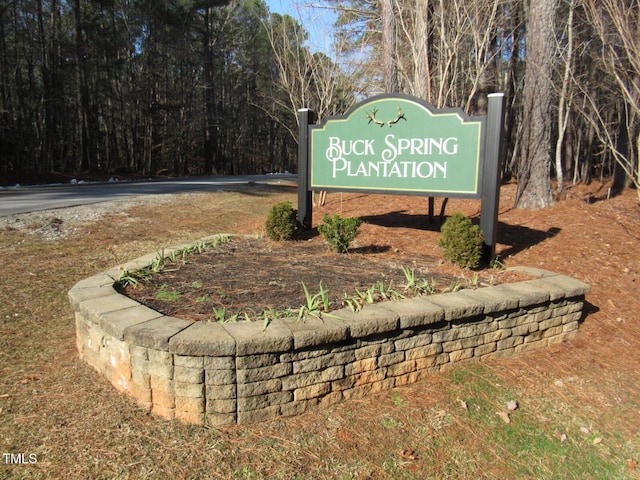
(397, 144)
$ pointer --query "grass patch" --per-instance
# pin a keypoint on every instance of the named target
(542, 438)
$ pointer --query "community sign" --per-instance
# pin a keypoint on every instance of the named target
(398, 144)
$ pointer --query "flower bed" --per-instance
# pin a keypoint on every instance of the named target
(202, 372)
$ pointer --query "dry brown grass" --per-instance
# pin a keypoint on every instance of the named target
(55, 406)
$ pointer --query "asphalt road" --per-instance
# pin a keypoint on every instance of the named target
(38, 198)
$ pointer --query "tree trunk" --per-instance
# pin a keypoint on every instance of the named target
(422, 78)
(211, 132)
(534, 185)
(389, 62)
(621, 164)
(86, 135)
(564, 106)
(512, 80)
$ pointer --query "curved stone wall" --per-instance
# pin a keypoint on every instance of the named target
(243, 373)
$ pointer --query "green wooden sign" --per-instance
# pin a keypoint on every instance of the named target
(402, 145)
(398, 144)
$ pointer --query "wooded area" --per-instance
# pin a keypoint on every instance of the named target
(196, 86)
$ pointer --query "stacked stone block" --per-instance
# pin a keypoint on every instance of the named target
(244, 373)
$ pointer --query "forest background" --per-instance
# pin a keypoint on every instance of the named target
(188, 87)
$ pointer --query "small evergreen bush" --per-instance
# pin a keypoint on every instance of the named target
(281, 221)
(339, 232)
(461, 241)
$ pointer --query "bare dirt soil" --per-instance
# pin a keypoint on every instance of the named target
(578, 407)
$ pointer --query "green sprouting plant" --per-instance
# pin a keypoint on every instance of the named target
(461, 241)
(312, 304)
(267, 316)
(173, 255)
(378, 291)
(425, 287)
(386, 292)
(418, 286)
(358, 300)
(454, 287)
(323, 295)
(315, 305)
(339, 232)
(266, 320)
(220, 315)
(162, 258)
(158, 263)
(281, 223)
(168, 295)
(354, 303)
(188, 250)
(219, 240)
(497, 263)
(367, 296)
(222, 239)
(410, 276)
(125, 279)
(463, 284)
(397, 295)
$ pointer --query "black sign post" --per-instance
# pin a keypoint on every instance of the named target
(306, 117)
(490, 192)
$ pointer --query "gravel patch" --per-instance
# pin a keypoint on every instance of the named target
(61, 223)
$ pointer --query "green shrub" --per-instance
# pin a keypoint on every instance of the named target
(281, 221)
(339, 232)
(461, 241)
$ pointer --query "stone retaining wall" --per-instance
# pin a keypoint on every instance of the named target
(242, 373)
